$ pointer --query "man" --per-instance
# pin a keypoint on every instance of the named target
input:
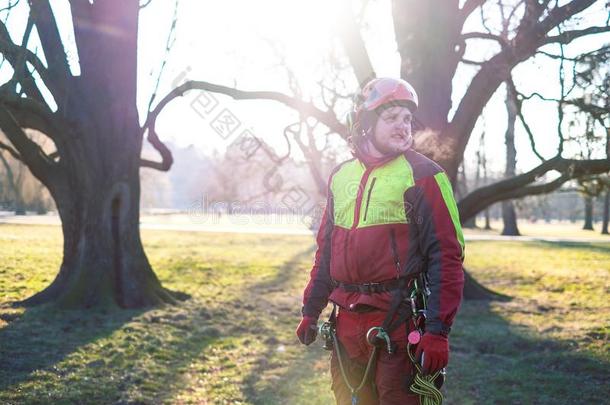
(390, 218)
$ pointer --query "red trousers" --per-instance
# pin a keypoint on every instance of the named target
(391, 371)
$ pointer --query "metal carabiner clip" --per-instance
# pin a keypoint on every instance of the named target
(381, 334)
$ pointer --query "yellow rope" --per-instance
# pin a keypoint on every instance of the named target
(423, 384)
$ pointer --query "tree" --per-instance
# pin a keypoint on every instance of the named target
(93, 173)
(509, 215)
(94, 179)
(431, 45)
(593, 76)
(606, 213)
(12, 184)
(19, 189)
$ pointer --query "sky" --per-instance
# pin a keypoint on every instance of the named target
(242, 43)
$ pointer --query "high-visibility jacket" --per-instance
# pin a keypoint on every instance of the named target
(382, 221)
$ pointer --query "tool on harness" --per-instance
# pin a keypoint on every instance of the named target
(327, 331)
(380, 335)
(329, 334)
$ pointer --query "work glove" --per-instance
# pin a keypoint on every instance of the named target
(436, 352)
(307, 330)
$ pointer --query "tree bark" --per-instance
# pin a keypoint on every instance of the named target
(19, 206)
(509, 216)
(426, 33)
(606, 215)
(487, 220)
(588, 213)
(103, 258)
(94, 178)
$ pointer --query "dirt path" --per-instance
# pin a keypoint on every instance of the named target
(259, 224)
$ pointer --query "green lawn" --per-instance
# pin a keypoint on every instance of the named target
(232, 342)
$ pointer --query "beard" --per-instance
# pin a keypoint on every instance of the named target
(394, 147)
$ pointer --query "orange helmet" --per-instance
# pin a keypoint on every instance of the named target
(377, 93)
(381, 91)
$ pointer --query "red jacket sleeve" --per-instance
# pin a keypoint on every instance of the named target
(315, 296)
(442, 245)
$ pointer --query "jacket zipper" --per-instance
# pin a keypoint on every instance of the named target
(395, 252)
(368, 198)
(361, 187)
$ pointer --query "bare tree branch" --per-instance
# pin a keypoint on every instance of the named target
(560, 14)
(578, 58)
(469, 6)
(31, 154)
(308, 109)
(568, 36)
(169, 42)
(517, 186)
(592, 109)
(145, 4)
(166, 155)
(10, 6)
(560, 113)
(53, 48)
(519, 104)
(14, 54)
(352, 41)
(471, 62)
(484, 35)
(10, 150)
(29, 113)
(497, 69)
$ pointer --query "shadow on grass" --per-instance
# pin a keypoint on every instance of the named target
(492, 362)
(597, 247)
(254, 312)
(150, 349)
(43, 336)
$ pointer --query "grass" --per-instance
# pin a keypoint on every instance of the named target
(233, 341)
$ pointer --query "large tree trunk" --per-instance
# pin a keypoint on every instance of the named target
(588, 213)
(461, 189)
(606, 215)
(103, 259)
(95, 181)
(509, 216)
(487, 220)
(426, 33)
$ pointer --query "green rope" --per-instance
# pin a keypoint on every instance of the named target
(423, 384)
(354, 391)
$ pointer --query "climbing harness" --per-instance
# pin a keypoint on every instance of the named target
(411, 290)
(372, 358)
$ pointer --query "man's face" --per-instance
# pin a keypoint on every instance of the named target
(393, 130)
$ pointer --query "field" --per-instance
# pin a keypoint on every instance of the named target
(233, 341)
